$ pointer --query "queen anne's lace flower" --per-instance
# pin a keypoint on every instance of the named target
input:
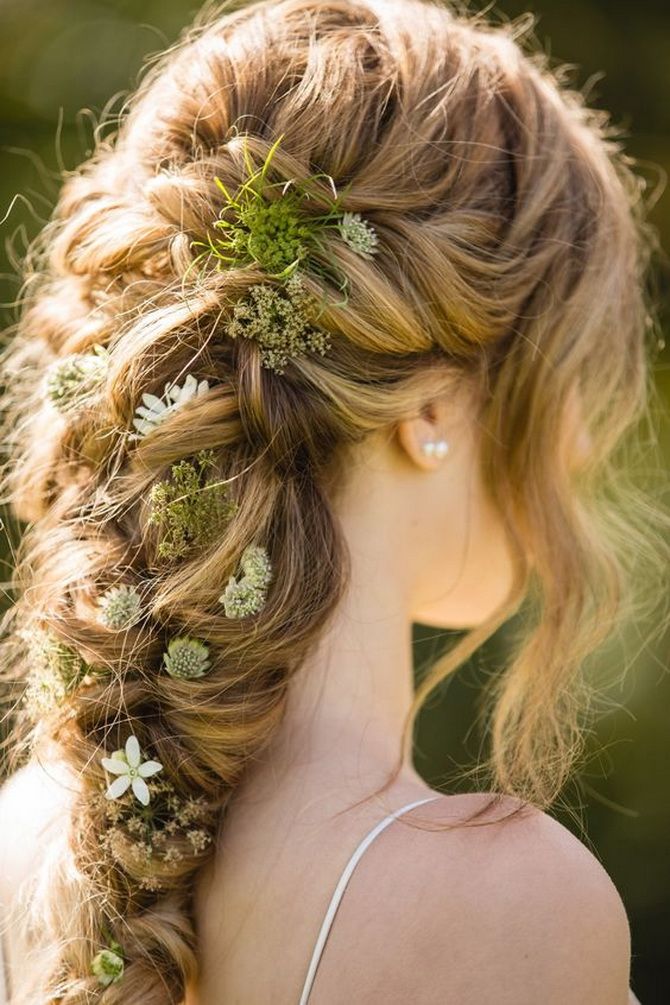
(71, 380)
(120, 607)
(155, 839)
(108, 966)
(359, 234)
(56, 669)
(131, 770)
(276, 318)
(186, 658)
(155, 410)
(248, 594)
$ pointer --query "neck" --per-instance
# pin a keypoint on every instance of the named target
(347, 704)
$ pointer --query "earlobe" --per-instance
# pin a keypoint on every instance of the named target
(422, 442)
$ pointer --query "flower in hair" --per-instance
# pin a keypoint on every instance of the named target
(268, 225)
(108, 965)
(273, 232)
(154, 410)
(120, 607)
(131, 771)
(276, 318)
(73, 379)
(190, 509)
(256, 566)
(55, 670)
(270, 233)
(248, 594)
(186, 658)
(156, 840)
(359, 234)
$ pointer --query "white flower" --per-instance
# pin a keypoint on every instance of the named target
(242, 598)
(359, 234)
(155, 410)
(120, 607)
(131, 770)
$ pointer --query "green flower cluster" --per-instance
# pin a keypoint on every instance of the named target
(270, 233)
(261, 226)
(120, 607)
(189, 508)
(186, 658)
(277, 318)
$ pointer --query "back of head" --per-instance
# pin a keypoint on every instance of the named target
(177, 461)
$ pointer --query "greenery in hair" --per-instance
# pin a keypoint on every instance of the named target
(120, 607)
(189, 508)
(265, 224)
(56, 669)
(108, 965)
(248, 594)
(277, 319)
(157, 836)
(186, 658)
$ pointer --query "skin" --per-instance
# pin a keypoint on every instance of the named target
(426, 545)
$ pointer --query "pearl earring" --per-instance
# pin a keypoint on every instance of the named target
(435, 449)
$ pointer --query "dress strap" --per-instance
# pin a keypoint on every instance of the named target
(339, 891)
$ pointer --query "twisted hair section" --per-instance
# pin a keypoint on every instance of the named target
(512, 259)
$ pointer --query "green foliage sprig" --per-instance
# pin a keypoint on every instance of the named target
(266, 224)
(189, 508)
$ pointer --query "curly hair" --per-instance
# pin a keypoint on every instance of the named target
(513, 254)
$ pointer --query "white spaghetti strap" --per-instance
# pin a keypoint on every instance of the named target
(339, 890)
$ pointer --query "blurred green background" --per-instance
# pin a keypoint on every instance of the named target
(63, 61)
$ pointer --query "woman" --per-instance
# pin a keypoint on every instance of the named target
(338, 333)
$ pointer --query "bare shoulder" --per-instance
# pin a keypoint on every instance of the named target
(33, 805)
(521, 904)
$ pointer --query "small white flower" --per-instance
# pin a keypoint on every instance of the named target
(186, 658)
(120, 607)
(154, 410)
(359, 234)
(132, 771)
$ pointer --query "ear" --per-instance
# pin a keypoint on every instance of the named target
(429, 425)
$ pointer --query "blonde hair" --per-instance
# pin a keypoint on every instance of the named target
(512, 257)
